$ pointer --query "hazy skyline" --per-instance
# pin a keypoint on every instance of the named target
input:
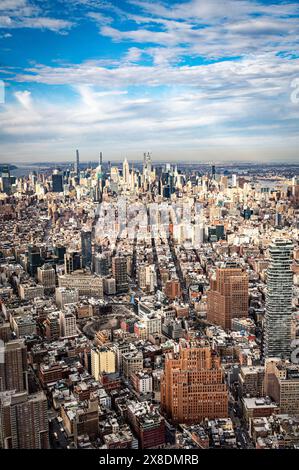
(193, 80)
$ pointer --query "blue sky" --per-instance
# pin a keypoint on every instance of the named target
(187, 80)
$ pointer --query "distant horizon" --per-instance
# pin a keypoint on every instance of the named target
(158, 162)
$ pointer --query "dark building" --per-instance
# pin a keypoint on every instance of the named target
(86, 248)
(119, 271)
(72, 261)
(59, 252)
(34, 259)
(57, 182)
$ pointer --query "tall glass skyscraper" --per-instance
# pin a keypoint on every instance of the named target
(277, 333)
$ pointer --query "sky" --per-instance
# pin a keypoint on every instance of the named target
(193, 80)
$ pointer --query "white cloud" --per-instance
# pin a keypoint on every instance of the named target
(11, 5)
(179, 101)
(24, 97)
(24, 14)
(231, 105)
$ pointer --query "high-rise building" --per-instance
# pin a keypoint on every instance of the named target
(98, 191)
(173, 289)
(6, 180)
(66, 296)
(228, 296)
(102, 360)
(77, 166)
(101, 264)
(277, 330)
(213, 172)
(119, 271)
(147, 165)
(57, 182)
(24, 421)
(234, 181)
(86, 247)
(282, 384)
(34, 259)
(192, 387)
(47, 277)
(72, 262)
(126, 172)
(52, 327)
(68, 327)
(13, 370)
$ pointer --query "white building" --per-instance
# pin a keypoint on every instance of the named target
(67, 323)
(66, 296)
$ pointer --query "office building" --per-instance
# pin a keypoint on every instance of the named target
(85, 283)
(251, 381)
(77, 166)
(13, 370)
(47, 277)
(101, 264)
(57, 182)
(72, 262)
(148, 425)
(282, 384)
(119, 272)
(68, 327)
(192, 386)
(103, 360)
(24, 421)
(228, 296)
(66, 296)
(86, 248)
(34, 259)
(277, 332)
(173, 289)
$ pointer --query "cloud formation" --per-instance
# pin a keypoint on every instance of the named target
(208, 78)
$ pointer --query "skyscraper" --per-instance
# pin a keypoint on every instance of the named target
(72, 261)
(13, 371)
(192, 387)
(86, 248)
(77, 163)
(57, 182)
(228, 295)
(277, 333)
(126, 172)
(34, 259)
(147, 163)
(119, 271)
(99, 180)
(23, 421)
(213, 172)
